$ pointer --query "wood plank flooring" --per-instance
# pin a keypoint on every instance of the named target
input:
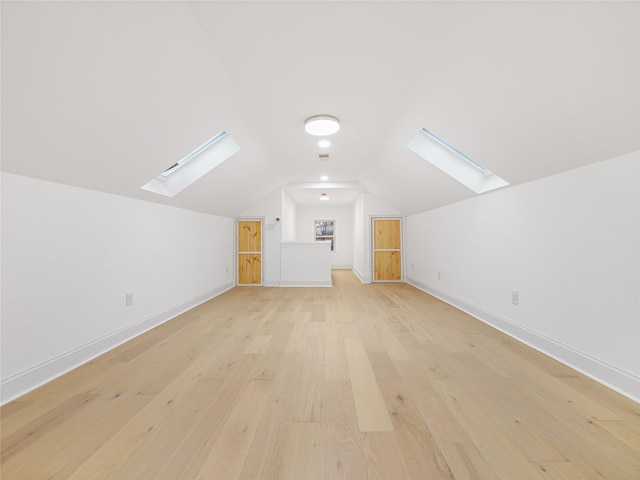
(377, 381)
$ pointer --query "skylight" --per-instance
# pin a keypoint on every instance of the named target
(454, 163)
(194, 166)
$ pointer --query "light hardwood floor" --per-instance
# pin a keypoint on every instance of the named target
(356, 381)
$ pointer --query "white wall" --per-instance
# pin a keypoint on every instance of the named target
(289, 212)
(270, 207)
(343, 215)
(70, 254)
(358, 237)
(570, 244)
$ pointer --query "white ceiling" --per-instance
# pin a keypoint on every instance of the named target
(106, 95)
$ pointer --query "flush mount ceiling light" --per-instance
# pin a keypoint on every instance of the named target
(321, 125)
(324, 178)
(324, 196)
(324, 143)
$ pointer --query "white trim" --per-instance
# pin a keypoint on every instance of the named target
(23, 382)
(622, 382)
(357, 274)
(310, 283)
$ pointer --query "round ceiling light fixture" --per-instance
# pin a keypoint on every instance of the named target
(321, 125)
(324, 196)
(324, 178)
(324, 143)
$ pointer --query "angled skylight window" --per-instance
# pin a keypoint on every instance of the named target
(194, 166)
(454, 163)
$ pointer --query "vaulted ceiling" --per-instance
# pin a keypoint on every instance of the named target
(106, 95)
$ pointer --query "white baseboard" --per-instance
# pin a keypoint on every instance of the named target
(310, 283)
(622, 382)
(360, 277)
(23, 382)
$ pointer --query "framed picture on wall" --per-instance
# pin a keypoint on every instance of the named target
(325, 230)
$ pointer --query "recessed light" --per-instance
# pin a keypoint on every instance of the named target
(321, 125)
(324, 178)
(324, 196)
(324, 143)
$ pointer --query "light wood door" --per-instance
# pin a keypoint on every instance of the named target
(249, 252)
(387, 250)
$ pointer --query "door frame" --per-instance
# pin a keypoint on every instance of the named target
(372, 219)
(235, 250)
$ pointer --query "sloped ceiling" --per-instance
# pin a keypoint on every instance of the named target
(106, 95)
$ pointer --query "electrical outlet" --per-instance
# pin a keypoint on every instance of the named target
(438, 274)
(412, 266)
(514, 297)
(226, 269)
(129, 299)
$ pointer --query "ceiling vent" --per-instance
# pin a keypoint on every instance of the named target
(323, 157)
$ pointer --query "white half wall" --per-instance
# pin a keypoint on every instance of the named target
(343, 216)
(69, 255)
(569, 244)
(305, 264)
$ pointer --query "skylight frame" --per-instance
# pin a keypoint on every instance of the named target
(454, 163)
(173, 168)
(484, 170)
(194, 166)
